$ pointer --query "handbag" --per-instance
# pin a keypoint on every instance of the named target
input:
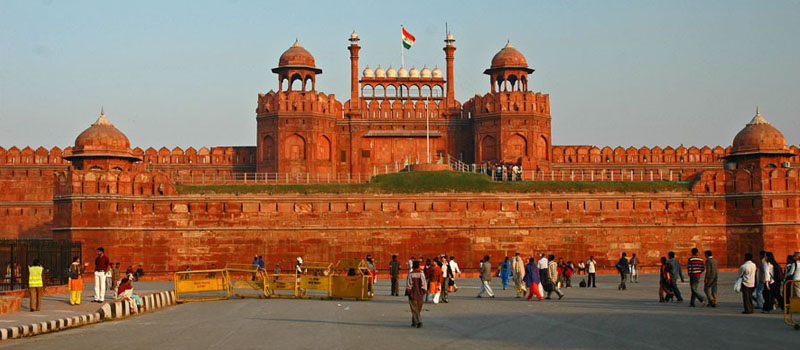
(737, 286)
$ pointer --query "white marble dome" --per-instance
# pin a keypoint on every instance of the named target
(380, 73)
(391, 72)
(402, 73)
(414, 72)
(437, 73)
(368, 73)
(425, 72)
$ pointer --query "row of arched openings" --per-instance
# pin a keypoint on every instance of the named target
(402, 91)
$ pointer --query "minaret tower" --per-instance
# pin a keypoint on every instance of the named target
(354, 48)
(449, 50)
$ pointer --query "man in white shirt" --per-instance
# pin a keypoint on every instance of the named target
(542, 266)
(747, 272)
(454, 271)
(591, 269)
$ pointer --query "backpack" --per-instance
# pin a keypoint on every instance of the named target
(582, 284)
(619, 267)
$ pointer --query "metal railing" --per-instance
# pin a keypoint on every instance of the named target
(54, 256)
(272, 178)
(589, 175)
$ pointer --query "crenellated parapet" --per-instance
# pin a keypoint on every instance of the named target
(28, 156)
(510, 102)
(298, 102)
(130, 183)
(225, 155)
(641, 156)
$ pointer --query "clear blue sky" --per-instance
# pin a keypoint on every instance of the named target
(187, 73)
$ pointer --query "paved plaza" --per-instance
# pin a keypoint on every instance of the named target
(601, 318)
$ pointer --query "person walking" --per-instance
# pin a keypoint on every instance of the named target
(436, 281)
(695, 267)
(710, 282)
(416, 290)
(35, 285)
(505, 272)
(792, 274)
(532, 280)
(759, 292)
(101, 267)
(591, 269)
(518, 275)
(117, 275)
(394, 272)
(622, 268)
(569, 270)
(665, 293)
(373, 273)
(675, 271)
(552, 274)
(76, 280)
(427, 271)
(446, 275)
(542, 265)
(110, 276)
(747, 272)
(581, 267)
(633, 267)
(486, 277)
(773, 275)
(411, 264)
(455, 271)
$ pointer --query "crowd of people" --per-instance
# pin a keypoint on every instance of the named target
(761, 281)
(504, 171)
(108, 276)
(431, 280)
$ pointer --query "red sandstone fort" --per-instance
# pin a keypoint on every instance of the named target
(100, 192)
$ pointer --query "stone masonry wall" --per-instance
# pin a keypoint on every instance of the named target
(26, 201)
(170, 232)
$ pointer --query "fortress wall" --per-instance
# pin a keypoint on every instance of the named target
(729, 212)
(169, 232)
(26, 200)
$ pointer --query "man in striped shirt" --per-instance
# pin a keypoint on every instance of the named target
(695, 267)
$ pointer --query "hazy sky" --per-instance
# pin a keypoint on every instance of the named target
(187, 73)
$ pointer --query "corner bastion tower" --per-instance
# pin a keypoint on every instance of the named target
(511, 123)
(295, 125)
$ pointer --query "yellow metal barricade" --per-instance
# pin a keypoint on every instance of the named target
(791, 305)
(315, 281)
(281, 285)
(351, 280)
(246, 281)
(201, 285)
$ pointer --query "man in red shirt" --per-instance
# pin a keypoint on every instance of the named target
(101, 265)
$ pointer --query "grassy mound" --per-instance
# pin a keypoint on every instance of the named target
(440, 181)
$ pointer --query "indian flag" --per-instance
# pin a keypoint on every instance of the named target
(408, 39)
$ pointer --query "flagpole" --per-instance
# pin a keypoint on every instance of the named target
(402, 51)
(427, 131)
